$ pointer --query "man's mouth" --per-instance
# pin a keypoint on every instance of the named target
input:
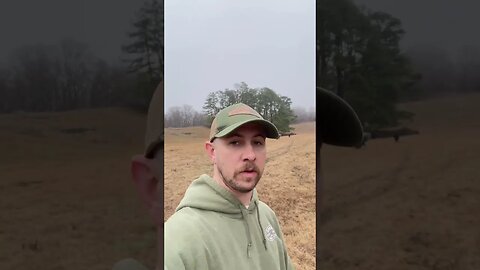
(249, 172)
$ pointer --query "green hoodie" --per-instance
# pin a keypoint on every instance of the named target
(211, 229)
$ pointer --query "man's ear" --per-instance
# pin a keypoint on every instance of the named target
(146, 181)
(210, 149)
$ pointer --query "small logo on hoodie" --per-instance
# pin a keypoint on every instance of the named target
(270, 233)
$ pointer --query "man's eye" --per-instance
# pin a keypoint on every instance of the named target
(234, 143)
(258, 143)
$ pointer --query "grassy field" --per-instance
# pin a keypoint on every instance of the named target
(67, 201)
(413, 204)
(287, 185)
(66, 198)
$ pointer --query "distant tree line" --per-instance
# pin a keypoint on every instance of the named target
(187, 116)
(60, 77)
(303, 115)
(269, 104)
(443, 72)
(273, 107)
(184, 116)
(68, 75)
(358, 57)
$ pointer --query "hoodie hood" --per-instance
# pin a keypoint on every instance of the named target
(206, 194)
(212, 229)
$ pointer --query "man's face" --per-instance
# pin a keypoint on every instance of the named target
(240, 157)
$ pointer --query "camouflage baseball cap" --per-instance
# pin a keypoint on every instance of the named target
(154, 131)
(236, 115)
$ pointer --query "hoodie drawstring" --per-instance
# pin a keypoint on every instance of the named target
(261, 228)
(249, 246)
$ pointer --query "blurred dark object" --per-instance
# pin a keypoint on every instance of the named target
(394, 133)
(287, 134)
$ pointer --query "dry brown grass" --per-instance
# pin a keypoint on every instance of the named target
(407, 205)
(67, 201)
(287, 185)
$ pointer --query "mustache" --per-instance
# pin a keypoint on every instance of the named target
(249, 166)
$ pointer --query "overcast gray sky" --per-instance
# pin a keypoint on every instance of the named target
(102, 24)
(212, 44)
(446, 24)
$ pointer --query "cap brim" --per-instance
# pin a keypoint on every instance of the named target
(337, 122)
(270, 129)
(154, 146)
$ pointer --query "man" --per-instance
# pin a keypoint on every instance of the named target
(220, 223)
(337, 124)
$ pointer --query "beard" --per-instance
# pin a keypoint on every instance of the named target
(235, 183)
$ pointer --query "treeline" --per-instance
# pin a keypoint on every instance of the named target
(267, 102)
(61, 77)
(304, 115)
(184, 116)
(444, 72)
(67, 75)
(358, 57)
(270, 105)
(187, 116)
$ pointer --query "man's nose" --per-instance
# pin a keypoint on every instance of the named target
(249, 153)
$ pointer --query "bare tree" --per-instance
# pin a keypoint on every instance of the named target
(187, 113)
(184, 116)
(303, 115)
(145, 50)
(60, 77)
